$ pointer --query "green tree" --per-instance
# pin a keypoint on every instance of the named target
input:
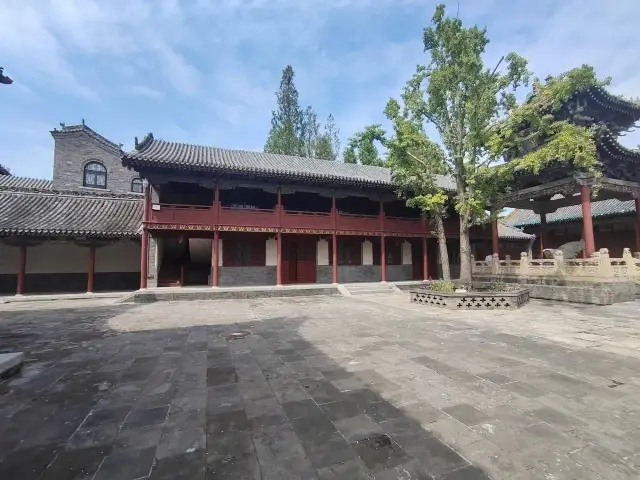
(328, 143)
(361, 147)
(417, 164)
(286, 135)
(461, 98)
(310, 132)
(547, 128)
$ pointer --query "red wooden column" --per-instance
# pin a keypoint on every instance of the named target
(587, 221)
(215, 255)
(279, 260)
(22, 265)
(543, 233)
(334, 259)
(92, 268)
(495, 237)
(425, 263)
(383, 259)
(637, 202)
(144, 250)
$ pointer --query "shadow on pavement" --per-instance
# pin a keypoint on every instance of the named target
(251, 400)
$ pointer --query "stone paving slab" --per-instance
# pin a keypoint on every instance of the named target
(366, 387)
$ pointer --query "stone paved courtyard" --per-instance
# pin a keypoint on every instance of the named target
(323, 388)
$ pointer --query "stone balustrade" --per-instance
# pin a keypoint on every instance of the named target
(599, 266)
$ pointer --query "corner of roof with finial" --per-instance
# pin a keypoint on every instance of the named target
(145, 141)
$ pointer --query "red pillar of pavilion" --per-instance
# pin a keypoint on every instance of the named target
(144, 253)
(425, 264)
(543, 233)
(22, 266)
(215, 270)
(637, 202)
(334, 259)
(587, 221)
(279, 260)
(92, 268)
(495, 238)
(383, 259)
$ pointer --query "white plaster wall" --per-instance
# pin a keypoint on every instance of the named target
(406, 253)
(272, 252)
(9, 258)
(367, 253)
(117, 257)
(322, 254)
(58, 257)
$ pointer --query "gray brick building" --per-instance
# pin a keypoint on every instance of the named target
(77, 150)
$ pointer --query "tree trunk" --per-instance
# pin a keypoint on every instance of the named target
(442, 248)
(465, 253)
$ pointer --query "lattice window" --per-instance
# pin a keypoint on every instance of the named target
(95, 175)
(136, 185)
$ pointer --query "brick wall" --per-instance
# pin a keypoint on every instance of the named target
(73, 150)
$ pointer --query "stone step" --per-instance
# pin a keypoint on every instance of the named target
(369, 288)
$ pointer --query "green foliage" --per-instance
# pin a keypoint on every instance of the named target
(362, 147)
(298, 132)
(287, 125)
(328, 143)
(444, 286)
(534, 135)
(416, 162)
(461, 98)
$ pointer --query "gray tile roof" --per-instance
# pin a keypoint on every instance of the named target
(195, 157)
(24, 183)
(603, 208)
(84, 129)
(509, 232)
(65, 214)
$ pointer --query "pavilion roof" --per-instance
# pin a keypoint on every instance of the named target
(152, 152)
(604, 208)
(614, 102)
(45, 212)
(510, 232)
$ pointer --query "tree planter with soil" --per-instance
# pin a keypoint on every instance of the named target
(481, 296)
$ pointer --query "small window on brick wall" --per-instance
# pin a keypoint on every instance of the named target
(136, 185)
(95, 175)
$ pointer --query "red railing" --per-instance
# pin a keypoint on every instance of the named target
(274, 218)
(405, 225)
(248, 217)
(315, 220)
(182, 214)
(361, 223)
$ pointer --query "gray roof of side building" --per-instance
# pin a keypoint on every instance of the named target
(599, 209)
(24, 183)
(49, 213)
(509, 232)
(160, 153)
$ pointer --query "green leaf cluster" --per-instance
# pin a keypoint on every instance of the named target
(297, 132)
(534, 135)
(362, 149)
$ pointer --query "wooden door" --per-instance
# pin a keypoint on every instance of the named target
(306, 260)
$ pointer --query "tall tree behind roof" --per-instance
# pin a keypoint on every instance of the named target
(287, 120)
(362, 147)
(328, 143)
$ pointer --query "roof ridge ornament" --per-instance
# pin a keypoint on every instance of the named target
(148, 138)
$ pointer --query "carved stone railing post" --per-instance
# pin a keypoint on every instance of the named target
(524, 264)
(605, 263)
(495, 264)
(629, 262)
(558, 258)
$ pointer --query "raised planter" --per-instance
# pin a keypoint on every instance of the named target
(483, 300)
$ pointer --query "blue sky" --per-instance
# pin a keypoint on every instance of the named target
(205, 71)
